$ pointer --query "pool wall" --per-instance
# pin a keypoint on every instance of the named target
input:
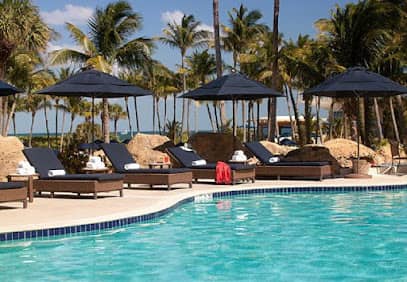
(99, 226)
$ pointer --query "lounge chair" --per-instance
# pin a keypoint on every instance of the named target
(119, 156)
(266, 168)
(13, 192)
(44, 160)
(208, 171)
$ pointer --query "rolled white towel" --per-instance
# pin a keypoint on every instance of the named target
(239, 158)
(131, 166)
(199, 162)
(24, 164)
(95, 159)
(56, 172)
(25, 170)
(92, 165)
(274, 159)
(238, 153)
(30, 170)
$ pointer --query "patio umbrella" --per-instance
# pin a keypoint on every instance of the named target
(94, 84)
(232, 87)
(7, 89)
(357, 82)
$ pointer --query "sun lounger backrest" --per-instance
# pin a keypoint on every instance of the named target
(43, 159)
(259, 151)
(184, 157)
(118, 155)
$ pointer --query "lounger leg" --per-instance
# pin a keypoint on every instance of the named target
(95, 196)
(190, 184)
(121, 193)
(169, 187)
(253, 179)
(52, 194)
(278, 177)
(25, 203)
(79, 194)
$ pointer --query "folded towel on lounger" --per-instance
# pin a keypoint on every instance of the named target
(131, 166)
(274, 159)
(198, 162)
(56, 172)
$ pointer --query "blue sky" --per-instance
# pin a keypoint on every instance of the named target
(296, 16)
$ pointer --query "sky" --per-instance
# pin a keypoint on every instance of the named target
(296, 17)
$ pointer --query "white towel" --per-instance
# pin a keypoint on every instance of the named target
(24, 164)
(239, 158)
(95, 159)
(198, 162)
(274, 159)
(91, 165)
(238, 153)
(25, 170)
(131, 166)
(186, 148)
(56, 172)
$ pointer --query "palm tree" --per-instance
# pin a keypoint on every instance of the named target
(202, 65)
(116, 114)
(184, 36)
(21, 29)
(108, 44)
(34, 103)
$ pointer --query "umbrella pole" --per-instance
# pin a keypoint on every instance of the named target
(234, 123)
(358, 135)
(93, 124)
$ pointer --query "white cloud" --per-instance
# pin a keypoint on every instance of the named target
(70, 13)
(176, 16)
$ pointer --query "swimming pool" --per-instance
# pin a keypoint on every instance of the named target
(296, 236)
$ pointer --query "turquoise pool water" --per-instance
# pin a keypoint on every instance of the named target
(271, 237)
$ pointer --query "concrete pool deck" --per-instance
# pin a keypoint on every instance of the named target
(68, 210)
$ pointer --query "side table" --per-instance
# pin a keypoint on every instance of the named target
(29, 179)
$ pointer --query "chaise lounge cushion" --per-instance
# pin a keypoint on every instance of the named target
(264, 155)
(11, 185)
(187, 157)
(97, 177)
(119, 156)
(45, 159)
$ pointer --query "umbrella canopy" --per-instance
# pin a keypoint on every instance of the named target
(7, 89)
(96, 84)
(357, 81)
(233, 86)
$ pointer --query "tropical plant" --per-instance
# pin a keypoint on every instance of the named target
(109, 44)
(184, 35)
(116, 114)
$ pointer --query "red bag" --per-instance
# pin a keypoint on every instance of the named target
(223, 173)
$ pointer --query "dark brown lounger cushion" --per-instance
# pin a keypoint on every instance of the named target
(11, 185)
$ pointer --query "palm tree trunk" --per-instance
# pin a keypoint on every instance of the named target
(165, 112)
(184, 89)
(115, 128)
(106, 121)
(210, 117)
(126, 100)
(71, 128)
(9, 117)
(158, 115)
(296, 116)
(153, 115)
(5, 111)
(196, 106)
(394, 121)
(293, 129)
(378, 120)
(244, 120)
(174, 118)
(254, 121)
(136, 112)
(276, 77)
(308, 120)
(331, 119)
(319, 132)
(31, 129)
(14, 124)
(47, 124)
(61, 144)
(249, 112)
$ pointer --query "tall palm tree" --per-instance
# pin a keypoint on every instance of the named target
(202, 65)
(184, 36)
(116, 114)
(21, 29)
(108, 44)
(34, 103)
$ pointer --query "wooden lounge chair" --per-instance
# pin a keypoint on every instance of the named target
(13, 192)
(45, 159)
(208, 171)
(119, 156)
(282, 168)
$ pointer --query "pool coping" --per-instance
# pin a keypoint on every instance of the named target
(122, 222)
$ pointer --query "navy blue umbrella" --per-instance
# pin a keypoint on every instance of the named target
(357, 82)
(232, 87)
(94, 84)
(7, 89)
